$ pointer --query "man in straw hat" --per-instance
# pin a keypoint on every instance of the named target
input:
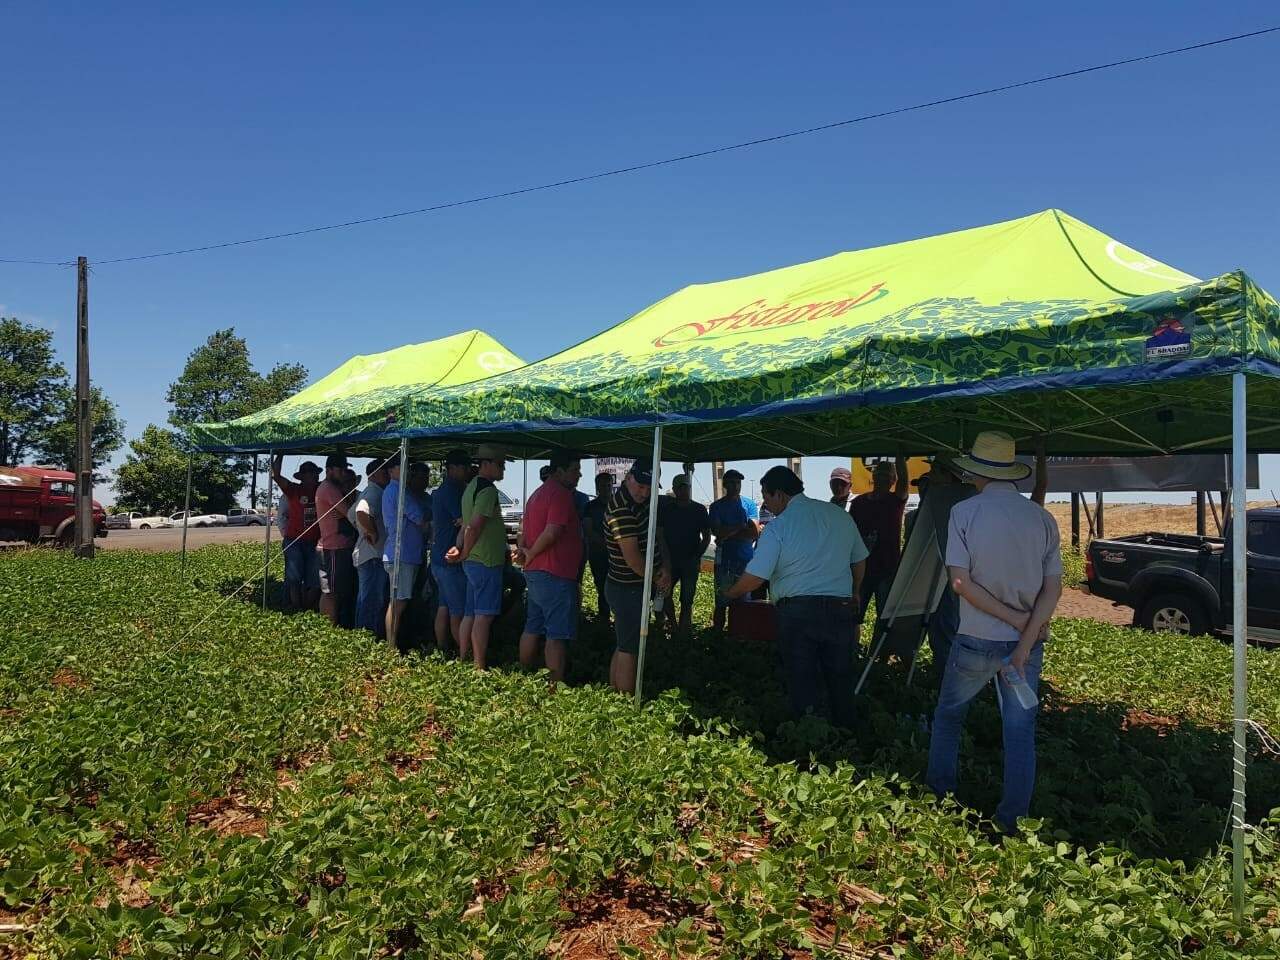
(482, 551)
(1004, 563)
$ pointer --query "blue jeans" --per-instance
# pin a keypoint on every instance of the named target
(815, 638)
(971, 664)
(371, 600)
(943, 626)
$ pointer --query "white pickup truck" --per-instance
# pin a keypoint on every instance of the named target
(198, 519)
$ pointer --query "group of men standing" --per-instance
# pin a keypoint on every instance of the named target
(823, 563)
(1004, 572)
(346, 556)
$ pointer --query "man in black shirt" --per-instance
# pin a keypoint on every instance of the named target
(687, 532)
(597, 545)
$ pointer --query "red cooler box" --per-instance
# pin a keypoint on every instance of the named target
(753, 620)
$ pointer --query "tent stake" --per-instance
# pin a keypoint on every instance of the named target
(652, 541)
(266, 545)
(393, 637)
(186, 515)
(1239, 633)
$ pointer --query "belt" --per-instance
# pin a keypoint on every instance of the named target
(817, 600)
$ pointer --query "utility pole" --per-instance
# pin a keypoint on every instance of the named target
(717, 479)
(84, 429)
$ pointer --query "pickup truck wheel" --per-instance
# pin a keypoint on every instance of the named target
(144, 526)
(1174, 613)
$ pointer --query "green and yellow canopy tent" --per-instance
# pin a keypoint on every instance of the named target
(1041, 326)
(364, 397)
(1038, 326)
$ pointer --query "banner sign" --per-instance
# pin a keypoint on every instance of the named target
(618, 466)
(1189, 472)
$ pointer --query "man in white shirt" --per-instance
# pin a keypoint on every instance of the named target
(813, 558)
(1003, 560)
(366, 516)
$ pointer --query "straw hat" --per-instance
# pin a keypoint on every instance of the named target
(993, 456)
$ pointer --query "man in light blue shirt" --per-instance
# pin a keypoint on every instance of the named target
(814, 558)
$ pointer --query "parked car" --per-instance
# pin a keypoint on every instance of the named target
(135, 520)
(1182, 583)
(39, 503)
(512, 514)
(247, 517)
(199, 519)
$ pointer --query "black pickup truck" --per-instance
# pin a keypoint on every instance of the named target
(1183, 583)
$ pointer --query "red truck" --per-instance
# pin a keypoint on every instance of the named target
(39, 503)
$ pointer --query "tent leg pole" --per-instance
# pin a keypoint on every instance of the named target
(1239, 633)
(393, 637)
(186, 515)
(266, 541)
(652, 541)
(524, 502)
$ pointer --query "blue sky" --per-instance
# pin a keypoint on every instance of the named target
(145, 127)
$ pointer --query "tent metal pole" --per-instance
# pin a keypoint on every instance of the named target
(186, 514)
(394, 636)
(649, 554)
(524, 502)
(1239, 634)
(266, 541)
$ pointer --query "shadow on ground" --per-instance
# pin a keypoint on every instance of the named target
(1107, 773)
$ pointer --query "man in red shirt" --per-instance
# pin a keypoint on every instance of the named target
(337, 539)
(878, 515)
(551, 554)
(301, 534)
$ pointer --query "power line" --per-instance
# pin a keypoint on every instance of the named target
(682, 158)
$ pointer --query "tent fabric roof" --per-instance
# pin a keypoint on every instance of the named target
(364, 395)
(1040, 325)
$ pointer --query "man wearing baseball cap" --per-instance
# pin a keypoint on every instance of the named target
(334, 498)
(626, 523)
(841, 484)
(878, 515)
(734, 523)
(482, 552)
(1004, 563)
(301, 534)
(446, 524)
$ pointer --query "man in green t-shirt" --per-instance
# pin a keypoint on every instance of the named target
(482, 551)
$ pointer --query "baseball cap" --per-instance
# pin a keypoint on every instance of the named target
(884, 466)
(307, 466)
(457, 457)
(335, 460)
(680, 480)
(732, 475)
(490, 451)
(842, 473)
(641, 471)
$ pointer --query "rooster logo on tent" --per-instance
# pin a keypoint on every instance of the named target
(1172, 338)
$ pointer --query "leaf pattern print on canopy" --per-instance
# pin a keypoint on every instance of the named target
(1033, 304)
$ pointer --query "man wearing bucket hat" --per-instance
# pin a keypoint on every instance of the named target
(301, 533)
(1003, 560)
(482, 551)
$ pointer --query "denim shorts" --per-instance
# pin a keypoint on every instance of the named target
(484, 589)
(552, 606)
(302, 563)
(402, 589)
(452, 584)
(626, 600)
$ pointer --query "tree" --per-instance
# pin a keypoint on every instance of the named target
(30, 384)
(57, 444)
(219, 383)
(216, 384)
(153, 476)
(282, 382)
